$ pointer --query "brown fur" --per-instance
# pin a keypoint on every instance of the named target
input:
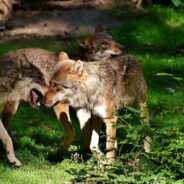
(102, 47)
(91, 49)
(20, 72)
(99, 46)
(98, 88)
(5, 10)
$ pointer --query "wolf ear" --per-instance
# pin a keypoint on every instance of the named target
(78, 67)
(99, 28)
(63, 56)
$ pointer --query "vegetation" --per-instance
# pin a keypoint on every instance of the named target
(156, 38)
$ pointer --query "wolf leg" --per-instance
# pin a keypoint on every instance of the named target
(9, 110)
(62, 113)
(111, 143)
(96, 128)
(86, 127)
(86, 136)
(7, 142)
(144, 114)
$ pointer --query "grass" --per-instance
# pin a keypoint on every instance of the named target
(154, 36)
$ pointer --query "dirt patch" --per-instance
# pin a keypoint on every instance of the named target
(57, 23)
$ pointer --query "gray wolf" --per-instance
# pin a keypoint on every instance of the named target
(99, 89)
(100, 46)
(24, 75)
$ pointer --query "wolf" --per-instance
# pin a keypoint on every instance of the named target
(24, 75)
(99, 89)
(100, 46)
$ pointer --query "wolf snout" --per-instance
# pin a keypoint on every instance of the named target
(47, 102)
(121, 48)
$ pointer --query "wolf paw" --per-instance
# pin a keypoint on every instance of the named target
(14, 161)
(96, 151)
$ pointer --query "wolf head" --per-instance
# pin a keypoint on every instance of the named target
(64, 81)
(100, 46)
(38, 85)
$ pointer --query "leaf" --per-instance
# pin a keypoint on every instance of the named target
(164, 74)
(118, 126)
(178, 78)
(123, 142)
(169, 75)
(127, 116)
(176, 146)
(177, 3)
(133, 110)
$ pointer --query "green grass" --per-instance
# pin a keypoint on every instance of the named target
(152, 36)
(56, 44)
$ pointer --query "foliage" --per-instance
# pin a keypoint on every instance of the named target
(177, 3)
(165, 164)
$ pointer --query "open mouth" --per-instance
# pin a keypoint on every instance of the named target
(35, 98)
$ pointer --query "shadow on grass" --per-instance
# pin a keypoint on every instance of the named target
(155, 37)
(151, 31)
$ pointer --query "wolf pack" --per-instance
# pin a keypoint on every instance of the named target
(97, 82)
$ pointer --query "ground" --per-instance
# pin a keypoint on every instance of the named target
(58, 23)
(155, 37)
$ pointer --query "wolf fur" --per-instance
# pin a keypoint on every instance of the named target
(99, 89)
(6, 7)
(20, 72)
(99, 46)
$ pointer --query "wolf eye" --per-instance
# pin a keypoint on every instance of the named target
(66, 85)
(105, 43)
(53, 84)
